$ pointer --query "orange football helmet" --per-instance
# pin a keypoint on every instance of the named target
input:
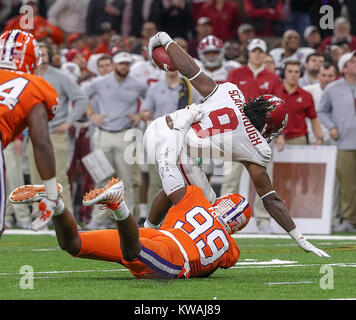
(233, 212)
(19, 51)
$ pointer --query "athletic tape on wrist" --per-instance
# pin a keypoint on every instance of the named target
(267, 194)
(51, 188)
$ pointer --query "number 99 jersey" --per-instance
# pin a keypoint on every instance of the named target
(206, 244)
(225, 132)
(19, 93)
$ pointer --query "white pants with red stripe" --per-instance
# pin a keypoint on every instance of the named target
(2, 190)
(165, 148)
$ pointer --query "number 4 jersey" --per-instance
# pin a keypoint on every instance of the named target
(202, 239)
(225, 132)
(19, 93)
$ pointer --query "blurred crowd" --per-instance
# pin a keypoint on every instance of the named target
(94, 54)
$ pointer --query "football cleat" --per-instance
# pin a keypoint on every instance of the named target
(110, 196)
(31, 193)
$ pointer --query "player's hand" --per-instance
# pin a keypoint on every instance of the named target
(43, 213)
(183, 119)
(308, 247)
(159, 39)
(334, 134)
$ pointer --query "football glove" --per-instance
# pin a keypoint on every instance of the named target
(44, 212)
(159, 39)
(183, 119)
(306, 245)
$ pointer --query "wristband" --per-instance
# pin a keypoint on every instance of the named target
(148, 224)
(267, 194)
(167, 45)
(295, 234)
(51, 188)
(197, 74)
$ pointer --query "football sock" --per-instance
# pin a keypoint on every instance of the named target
(122, 212)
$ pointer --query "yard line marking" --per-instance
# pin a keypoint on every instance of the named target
(235, 236)
(343, 265)
(63, 271)
(278, 283)
(282, 236)
(272, 262)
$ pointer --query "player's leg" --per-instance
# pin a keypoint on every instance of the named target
(194, 175)
(2, 191)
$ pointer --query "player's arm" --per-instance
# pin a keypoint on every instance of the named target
(271, 200)
(37, 122)
(276, 208)
(184, 63)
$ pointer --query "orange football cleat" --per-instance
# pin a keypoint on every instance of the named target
(31, 193)
(109, 196)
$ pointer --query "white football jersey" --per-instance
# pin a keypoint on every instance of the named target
(146, 71)
(225, 133)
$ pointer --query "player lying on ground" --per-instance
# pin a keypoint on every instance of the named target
(194, 240)
(240, 131)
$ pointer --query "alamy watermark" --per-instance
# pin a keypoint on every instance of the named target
(327, 280)
(26, 281)
(327, 20)
(27, 20)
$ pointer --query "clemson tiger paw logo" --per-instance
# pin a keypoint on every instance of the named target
(45, 213)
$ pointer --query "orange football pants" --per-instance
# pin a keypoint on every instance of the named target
(160, 256)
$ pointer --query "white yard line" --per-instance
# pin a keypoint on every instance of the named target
(288, 283)
(235, 236)
(63, 271)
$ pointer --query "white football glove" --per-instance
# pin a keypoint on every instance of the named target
(159, 39)
(183, 119)
(44, 212)
(306, 245)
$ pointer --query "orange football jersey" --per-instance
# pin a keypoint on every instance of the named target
(207, 244)
(19, 93)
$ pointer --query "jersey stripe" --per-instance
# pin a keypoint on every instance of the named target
(158, 264)
(185, 256)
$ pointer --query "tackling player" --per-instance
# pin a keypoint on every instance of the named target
(29, 101)
(194, 240)
(239, 130)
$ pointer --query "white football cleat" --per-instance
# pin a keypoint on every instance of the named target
(31, 193)
(110, 196)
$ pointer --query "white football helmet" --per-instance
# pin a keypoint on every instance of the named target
(211, 44)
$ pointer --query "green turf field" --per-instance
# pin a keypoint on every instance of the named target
(268, 268)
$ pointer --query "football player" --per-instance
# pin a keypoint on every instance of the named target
(26, 100)
(229, 127)
(194, 240)
(211, 54)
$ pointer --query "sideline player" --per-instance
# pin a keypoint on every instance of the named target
(230, 126)
(29, 101)
(194, 240)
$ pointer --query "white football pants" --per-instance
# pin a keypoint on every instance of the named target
(166, 149)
